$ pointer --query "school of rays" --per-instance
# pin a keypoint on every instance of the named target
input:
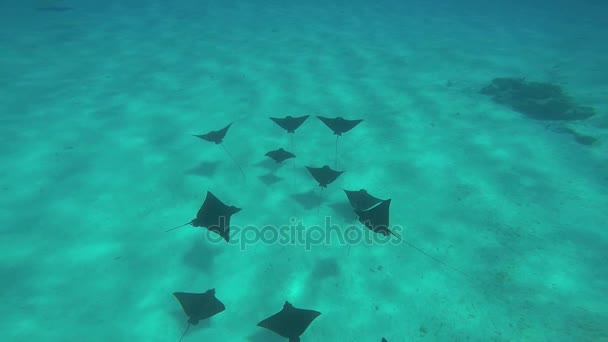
(215, 215)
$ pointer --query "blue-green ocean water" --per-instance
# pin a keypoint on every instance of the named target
(99, 102)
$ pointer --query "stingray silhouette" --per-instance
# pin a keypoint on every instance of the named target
(199, 306)
(361, 199)
(290, 124)
(280, 155)
(324, 176)
(290, 322)
(213, 215)
(339, 125)
(217, 137)
(376, 219)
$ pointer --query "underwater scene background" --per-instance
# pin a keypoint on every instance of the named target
(485, 123)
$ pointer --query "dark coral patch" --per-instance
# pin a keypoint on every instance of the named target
(537, 100)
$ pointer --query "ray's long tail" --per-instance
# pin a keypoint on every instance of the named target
(183, 225)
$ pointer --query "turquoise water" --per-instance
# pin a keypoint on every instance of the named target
(99, 102)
